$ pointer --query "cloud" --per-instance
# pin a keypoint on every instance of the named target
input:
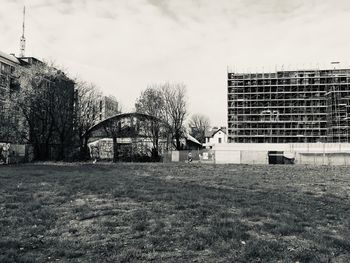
(124, 45)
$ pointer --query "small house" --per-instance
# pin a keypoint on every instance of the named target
(216, 135)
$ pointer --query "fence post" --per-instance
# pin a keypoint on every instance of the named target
(324, 153)
(214, 157)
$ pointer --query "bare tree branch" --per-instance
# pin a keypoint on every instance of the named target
(86, 113)
(198, 125)
(175, 110)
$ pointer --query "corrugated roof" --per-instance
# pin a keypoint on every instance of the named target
(190, 138)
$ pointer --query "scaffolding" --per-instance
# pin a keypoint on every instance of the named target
(303, 106)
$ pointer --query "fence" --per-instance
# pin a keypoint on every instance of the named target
(303, 154)
(203, 155)
(17, 153)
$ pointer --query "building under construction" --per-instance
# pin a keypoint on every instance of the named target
(303, 106)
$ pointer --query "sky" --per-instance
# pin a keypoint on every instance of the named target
(123, 46)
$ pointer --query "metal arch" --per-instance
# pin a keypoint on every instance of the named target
(124, 115)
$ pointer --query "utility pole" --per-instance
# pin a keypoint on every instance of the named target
(23, 39)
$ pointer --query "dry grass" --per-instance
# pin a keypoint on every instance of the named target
(174, 213)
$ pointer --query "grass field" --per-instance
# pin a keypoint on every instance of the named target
(174, 213)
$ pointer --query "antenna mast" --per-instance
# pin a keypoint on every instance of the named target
(23, 39)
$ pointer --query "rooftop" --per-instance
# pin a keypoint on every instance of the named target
(11, 58)
(214, 130)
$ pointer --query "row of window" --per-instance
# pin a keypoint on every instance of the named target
(289, 91)
(5, 68)
(288, 81)
(279, 133)
(293, 74)
(3, 81)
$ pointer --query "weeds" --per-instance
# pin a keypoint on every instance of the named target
(173, 213)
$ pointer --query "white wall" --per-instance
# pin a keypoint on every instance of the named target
(254, 157)
(215, 138)
(304, 153)
(252, 147)
(228, 157)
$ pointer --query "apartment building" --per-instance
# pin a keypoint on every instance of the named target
(108, 107)
(302, 106)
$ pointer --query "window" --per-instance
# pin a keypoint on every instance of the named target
(3, 81)
(219, 140)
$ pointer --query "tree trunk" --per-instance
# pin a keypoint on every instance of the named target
(155, 155)
(61, 149)
(46, 152)
(41, 152)
(178, 143)
(115, 149)
(155, 149)
(36, 151)
(83, 148)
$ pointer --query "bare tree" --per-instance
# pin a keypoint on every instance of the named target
(63, 115)
(45, 100)
(175, 104)
(151, 102)
(86, 113)
(198, 125)
(34, 103)
(10, 123)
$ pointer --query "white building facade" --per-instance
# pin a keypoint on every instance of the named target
(215, 136)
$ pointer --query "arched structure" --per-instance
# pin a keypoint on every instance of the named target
(132, 118)
(133, 130)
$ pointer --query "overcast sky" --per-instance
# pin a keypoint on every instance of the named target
(124, 45)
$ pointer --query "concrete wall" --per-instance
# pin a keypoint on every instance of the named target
(252, 147)
(320, 147)
(292, 147)
(311, 159)
(323, 159)
(304, 153)
(254, 157)
(228, 156)
(175, 156)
